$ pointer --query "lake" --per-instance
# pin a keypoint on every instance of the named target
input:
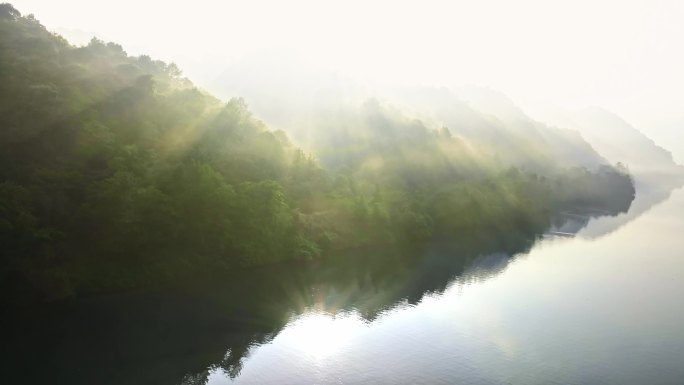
(603, 307)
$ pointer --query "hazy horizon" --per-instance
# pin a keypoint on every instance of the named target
(619, 55)
(262, 192)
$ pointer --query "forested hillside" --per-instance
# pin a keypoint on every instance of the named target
(324, 111)
(117, 173)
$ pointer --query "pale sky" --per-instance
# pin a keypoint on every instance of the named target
(627, 56)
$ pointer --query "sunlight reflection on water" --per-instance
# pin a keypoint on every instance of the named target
(604, 310)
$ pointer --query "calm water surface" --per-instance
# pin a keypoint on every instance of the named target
(571, 311)
(604, 307)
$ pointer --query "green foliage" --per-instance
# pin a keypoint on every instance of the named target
(116, 173)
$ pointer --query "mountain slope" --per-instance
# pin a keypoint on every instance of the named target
(616, 139)
(117, 173)
(300, 99)
(491, 120)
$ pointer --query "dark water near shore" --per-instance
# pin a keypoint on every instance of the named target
(603, 307)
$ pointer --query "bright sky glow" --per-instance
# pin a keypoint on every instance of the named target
(625, 55)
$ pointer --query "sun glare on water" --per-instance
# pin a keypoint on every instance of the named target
(321, 335)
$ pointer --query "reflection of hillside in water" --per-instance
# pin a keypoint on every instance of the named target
(592, 223)
(181, 334)
(389, 283)
(648, 195)
(369, 289)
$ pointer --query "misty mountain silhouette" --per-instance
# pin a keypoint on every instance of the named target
(618, 141)
(653, 169)
(299, 99)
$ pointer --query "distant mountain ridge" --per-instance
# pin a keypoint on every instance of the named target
(294, 98)
(289, 96)
(493, 120)
(618, 141)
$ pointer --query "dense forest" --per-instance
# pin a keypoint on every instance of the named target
(118, 173)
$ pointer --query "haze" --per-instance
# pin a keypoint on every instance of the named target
(622, 55)
(326, 192)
